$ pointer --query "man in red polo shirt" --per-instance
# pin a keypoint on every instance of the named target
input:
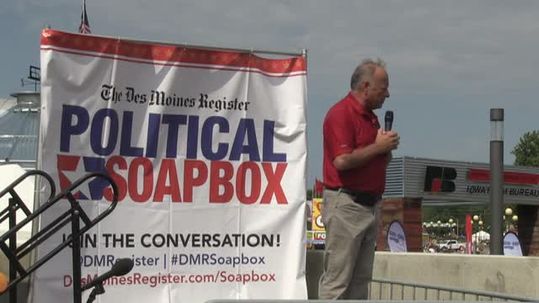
(356, 154)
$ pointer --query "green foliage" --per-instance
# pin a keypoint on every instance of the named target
(309, 194)
(527, 150)
(457, 213)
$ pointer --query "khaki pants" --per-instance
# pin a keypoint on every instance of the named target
(350, 243)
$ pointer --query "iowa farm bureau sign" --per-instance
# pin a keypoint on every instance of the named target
(473, 182)
(442, 181)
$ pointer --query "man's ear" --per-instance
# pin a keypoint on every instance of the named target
(364, 86)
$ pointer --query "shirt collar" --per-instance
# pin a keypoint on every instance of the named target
(359, 108)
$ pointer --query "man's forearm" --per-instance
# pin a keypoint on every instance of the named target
(357, 158)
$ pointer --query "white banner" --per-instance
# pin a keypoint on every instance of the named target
(511, 245)
(208, 149)
(396, 237)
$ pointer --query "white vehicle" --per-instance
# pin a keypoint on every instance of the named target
(450, 245)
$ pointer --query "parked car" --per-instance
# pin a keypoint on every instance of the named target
(450, 245)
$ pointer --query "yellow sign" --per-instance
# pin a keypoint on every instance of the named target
(317, 224)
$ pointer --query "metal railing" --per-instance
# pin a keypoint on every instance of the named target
(382, 289)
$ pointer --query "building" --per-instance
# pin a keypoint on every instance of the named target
(19, 128)
(413, 182)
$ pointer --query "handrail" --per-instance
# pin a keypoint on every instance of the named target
(11, 190)
(464, 292)
(10, 213)
(74, 215)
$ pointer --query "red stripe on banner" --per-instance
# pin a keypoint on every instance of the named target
(169, 53)
(483, 175)
(177, 64)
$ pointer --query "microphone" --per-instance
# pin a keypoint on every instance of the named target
(120, 268)
(388, 120)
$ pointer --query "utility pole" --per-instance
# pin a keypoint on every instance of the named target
(496, 180)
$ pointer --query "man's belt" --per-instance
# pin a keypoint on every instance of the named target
(359, 197)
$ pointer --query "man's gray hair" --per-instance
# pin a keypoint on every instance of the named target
(365, 71)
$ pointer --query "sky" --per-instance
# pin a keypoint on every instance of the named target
(449, 62)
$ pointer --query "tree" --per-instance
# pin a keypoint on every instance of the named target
(527, 154)
(527, 150)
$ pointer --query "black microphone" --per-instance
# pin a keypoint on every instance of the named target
(120, 268)
(388, 120)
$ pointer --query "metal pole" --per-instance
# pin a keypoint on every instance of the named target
(496, 180)
(75, 254)
(12, 248)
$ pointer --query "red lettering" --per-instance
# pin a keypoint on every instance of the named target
(139, 185)
(147, 181)
(118, 179)
(274, 183)
(241, 181)
(68, 280)
(218, 181)
(136, 278)
(167, 171)
(189, 179)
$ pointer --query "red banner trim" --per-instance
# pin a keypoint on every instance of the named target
(77, 43)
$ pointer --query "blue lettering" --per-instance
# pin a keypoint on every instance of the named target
(267, 145)
(207, 138)
(246, 127)
(173, 122)
(97, 133)
(125, 146)
(192, 138)
(152, 140)
(68, 129)
(209, 135)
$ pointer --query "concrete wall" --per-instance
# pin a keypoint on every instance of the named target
(518, 276)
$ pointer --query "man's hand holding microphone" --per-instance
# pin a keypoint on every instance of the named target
(387, 139)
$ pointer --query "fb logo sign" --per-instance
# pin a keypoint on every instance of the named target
(440, 179)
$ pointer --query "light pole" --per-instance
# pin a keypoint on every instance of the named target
(510, 220)
(475, 219)
(480, 237)
(496, 180)
(475, 223)
(454, 225)
(515, 222)
(507, 218)
(430, 226)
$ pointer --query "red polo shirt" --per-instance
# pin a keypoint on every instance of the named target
(347, 126)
